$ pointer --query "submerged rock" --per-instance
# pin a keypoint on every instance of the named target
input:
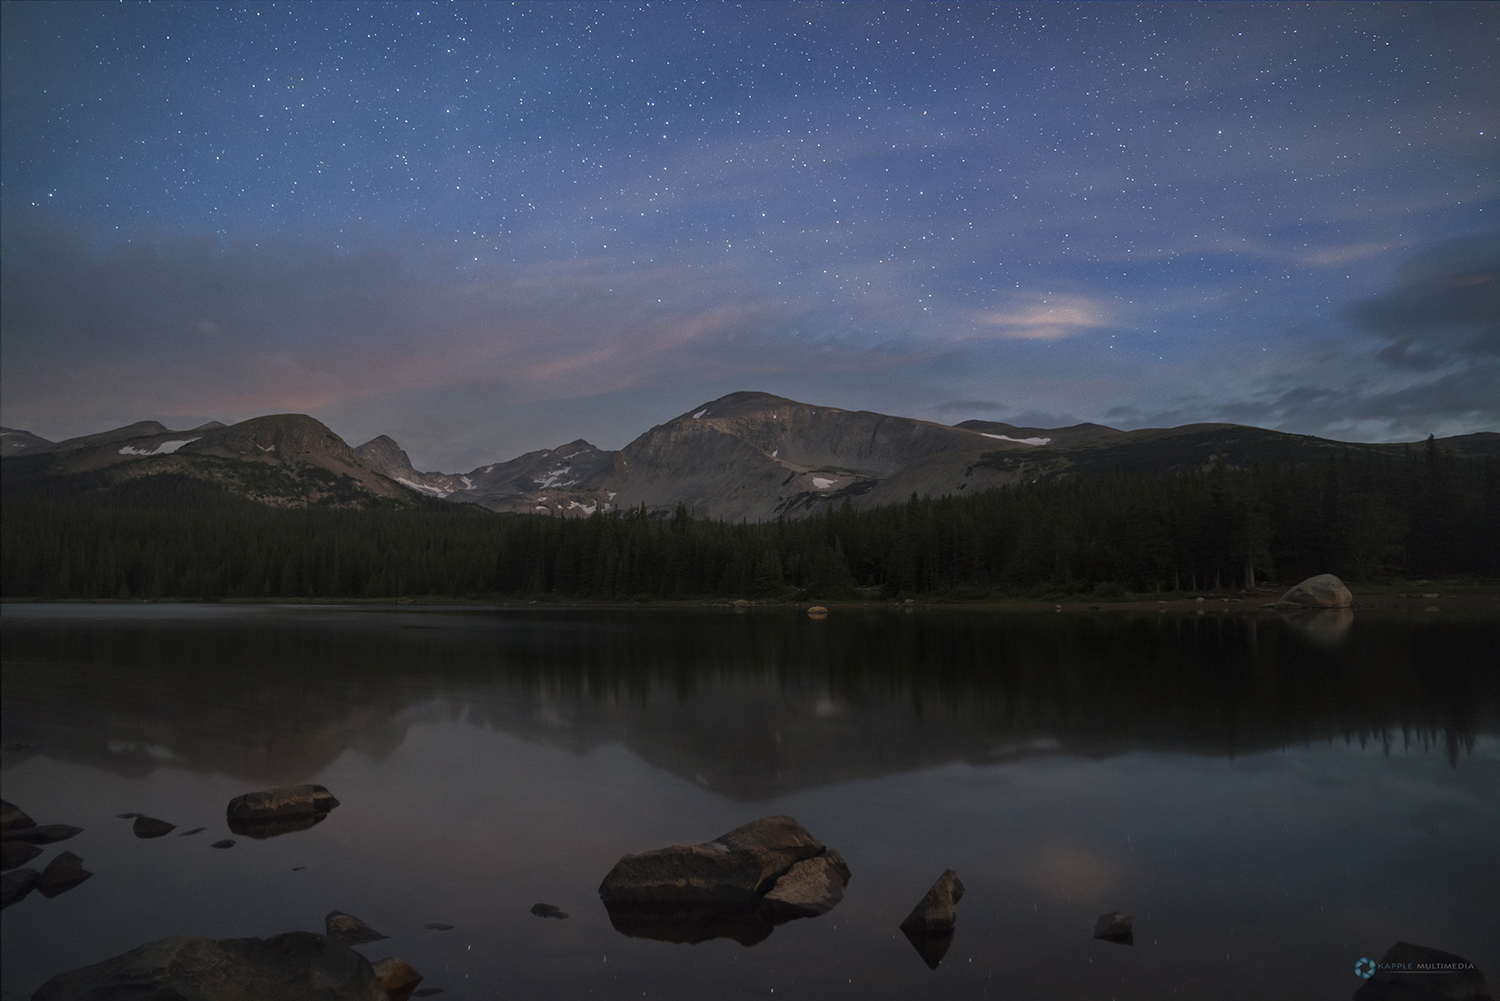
(16, 853)
(150, 827)
(397, 978)
(12, 819)
(15, 885)
(1419, 973)
(437, 926)
(226, 843)
(934, 912)
(1116, 927)
(350, 930)
(739, 885)
(271, 812)
(62, 874)
(297, 966)
(196, 830)
(45, 834)
(547, 911)
(1323, 591)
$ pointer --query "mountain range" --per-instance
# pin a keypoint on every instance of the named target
(746, 456)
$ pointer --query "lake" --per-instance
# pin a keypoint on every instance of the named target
(1272, 799)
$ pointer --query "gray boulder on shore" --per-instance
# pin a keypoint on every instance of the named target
(1323, 591)
(296, 966)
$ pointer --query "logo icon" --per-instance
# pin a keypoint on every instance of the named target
(1365, 968)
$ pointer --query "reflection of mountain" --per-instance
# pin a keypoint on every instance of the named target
(753, 706)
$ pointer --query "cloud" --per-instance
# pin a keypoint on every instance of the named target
(1445, 305)
(1050, 318)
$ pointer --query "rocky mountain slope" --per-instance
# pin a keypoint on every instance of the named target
(746, 456)
(281, 460)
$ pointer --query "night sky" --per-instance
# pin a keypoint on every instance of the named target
(484, 228)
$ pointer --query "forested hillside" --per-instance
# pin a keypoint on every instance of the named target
(1424, 513)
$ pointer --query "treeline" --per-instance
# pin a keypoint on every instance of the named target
(1420, 514)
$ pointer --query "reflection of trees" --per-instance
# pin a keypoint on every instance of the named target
(752, 705)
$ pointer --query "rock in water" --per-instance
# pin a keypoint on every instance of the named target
(150, 827)
(15, 885)
(811, 887)
(270, 812)
(1418, 973)
(547, 911)
(1116, 927)
(297, 966)
(931, 946)
(226, 843)
(735, 868)
(350, 930)
(12, 819)
(397, 978)
(16, 853)
(46, 834)
(740, 885)
(1323, 591)
(934, 912)
(61, 875)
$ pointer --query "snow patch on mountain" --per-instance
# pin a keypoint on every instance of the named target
(1018, 441)
(165, 448)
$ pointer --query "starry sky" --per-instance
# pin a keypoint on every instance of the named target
(485, 228)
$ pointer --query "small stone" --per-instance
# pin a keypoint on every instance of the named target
(437, 926)
(150, 827)
(547, 911)
(934, 912)
(350, 930)
(226, 843)
(1116, 927)
(12, 819)
(15, 885)
(16, 853)
(43, 835)
(62, 874)
(397, 978)
(128, 816)
(196, 830)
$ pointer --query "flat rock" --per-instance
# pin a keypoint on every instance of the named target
(44, 834)
(397, 978)
(16, 853)
(547, 911)
(226, 843)
(150, 827)
(62, 874)
(12, 819)
(934, 912)
(297, 966)
(437, 926)
(1420, 973)
(350, 930)
(286, 801)
(1323, 591)
(734, 868)
(811, 887)
(196, 830)
(15, 885)
(1117, 926)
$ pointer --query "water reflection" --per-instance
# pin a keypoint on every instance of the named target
(751, 705)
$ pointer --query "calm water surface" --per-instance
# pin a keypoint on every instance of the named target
(1271, 799)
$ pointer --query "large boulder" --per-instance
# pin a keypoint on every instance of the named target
(1323, 591)
(739, 885)
(297, 966)
(270, 812)
(1419, 973)
(734, 868)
